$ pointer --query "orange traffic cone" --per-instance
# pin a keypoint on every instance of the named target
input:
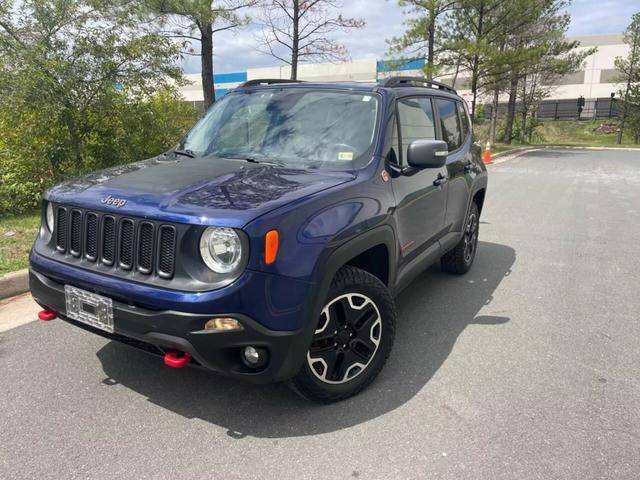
(487, 154)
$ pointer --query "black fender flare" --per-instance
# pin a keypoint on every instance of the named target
(479, 184)
(328, 264)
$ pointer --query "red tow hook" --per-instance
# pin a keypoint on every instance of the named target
(47, 314)
(176, 360)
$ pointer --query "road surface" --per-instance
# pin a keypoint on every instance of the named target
(528, 367)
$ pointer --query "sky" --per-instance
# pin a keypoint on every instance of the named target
(235, 51)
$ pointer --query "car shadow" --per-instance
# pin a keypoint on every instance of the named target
(432, 312)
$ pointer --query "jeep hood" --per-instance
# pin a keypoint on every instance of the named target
(207, 190)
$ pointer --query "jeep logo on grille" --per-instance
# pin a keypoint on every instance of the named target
(116, 202)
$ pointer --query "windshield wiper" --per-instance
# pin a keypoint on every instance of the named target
(248, 158)
(186, 152)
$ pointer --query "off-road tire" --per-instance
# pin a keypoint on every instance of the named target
(350, 284)
(458, 260)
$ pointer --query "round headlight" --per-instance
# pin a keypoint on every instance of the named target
(221, 249)
(50, 216)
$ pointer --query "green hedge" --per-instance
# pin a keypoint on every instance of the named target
(36, 151)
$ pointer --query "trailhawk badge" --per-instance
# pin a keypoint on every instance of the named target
(116, 202)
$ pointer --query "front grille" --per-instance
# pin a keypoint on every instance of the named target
(165, 251)
(91, 247)
(126, 243)
(108, 240)
(118, 242)
(61, 229)
(76, 233)
(145, 247)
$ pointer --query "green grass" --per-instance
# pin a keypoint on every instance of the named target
(16, 237)
(579, 133)
(582, 133)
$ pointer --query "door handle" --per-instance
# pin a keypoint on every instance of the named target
(468, 167)
(440, 180)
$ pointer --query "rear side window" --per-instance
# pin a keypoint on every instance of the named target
(449, 123)
(416, 121)
(464, 120)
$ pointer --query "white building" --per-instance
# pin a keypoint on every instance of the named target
(595, 81)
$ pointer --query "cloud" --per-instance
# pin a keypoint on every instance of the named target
(236, 50)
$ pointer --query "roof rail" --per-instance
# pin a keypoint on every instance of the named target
(409, 81)
(267, 81)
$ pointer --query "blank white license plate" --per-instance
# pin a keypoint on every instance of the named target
(89, 308)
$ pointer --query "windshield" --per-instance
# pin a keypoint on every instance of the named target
(296, 127)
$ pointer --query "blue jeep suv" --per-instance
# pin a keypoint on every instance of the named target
(270, 243)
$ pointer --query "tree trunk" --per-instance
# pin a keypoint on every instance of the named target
(525, 110)
(474, 88)
(494, 117)
(296, 40)
(455, 74)
(431, 45)
(206, 59)
(511, 110)
(475, 66)
(74, 136)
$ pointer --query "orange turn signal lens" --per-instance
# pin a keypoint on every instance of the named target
(270, 247)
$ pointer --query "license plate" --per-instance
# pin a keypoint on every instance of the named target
(89, 308)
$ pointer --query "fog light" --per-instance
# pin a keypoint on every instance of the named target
(251, 355)
(254, 357)
(223, 324)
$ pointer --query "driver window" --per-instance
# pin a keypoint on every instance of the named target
(416, 122)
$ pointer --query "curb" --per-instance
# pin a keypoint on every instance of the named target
(14, 283)
(506, 153)
(516, 152)
(511, 154)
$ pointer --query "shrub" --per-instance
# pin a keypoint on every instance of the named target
(35, 151)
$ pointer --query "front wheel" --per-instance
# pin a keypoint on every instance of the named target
(352, 339)
(460, 258)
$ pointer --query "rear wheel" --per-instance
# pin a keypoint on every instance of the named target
(460, 258)
(352, 339)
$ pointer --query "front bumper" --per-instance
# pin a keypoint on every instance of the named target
(160, 331)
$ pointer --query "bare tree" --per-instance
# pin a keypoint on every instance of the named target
(298, 30)
(198, 21)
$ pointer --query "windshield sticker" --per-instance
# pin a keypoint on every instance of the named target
(345, 156)
(366, 98)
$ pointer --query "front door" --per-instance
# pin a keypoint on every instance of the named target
(420, 193)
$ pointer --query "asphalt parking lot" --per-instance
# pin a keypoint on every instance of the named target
(528, 367)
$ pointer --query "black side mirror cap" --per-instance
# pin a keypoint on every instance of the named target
(427, 153)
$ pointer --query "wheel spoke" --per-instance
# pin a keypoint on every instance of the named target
(330, 358)
(349, 359)
(365, 319)
(363, 349)
(346, 339)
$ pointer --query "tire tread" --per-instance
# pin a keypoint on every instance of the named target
(453, 260)
(347, 276)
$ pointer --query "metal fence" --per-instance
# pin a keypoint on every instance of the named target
(568, 109)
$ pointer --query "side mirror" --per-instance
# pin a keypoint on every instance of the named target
(427, 153)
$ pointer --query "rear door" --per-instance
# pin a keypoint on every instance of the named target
(420, 194)
(456, 131)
